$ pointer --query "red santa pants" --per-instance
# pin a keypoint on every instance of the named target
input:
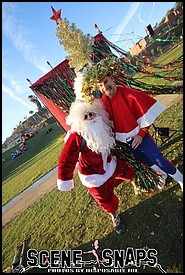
(104, 195)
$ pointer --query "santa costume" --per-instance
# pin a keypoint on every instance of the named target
(98, 169)
(133, 112)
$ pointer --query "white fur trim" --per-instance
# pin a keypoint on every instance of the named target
(178, 177)
(67, 135)
(123, 136)
(65, 185)
(97, 180)
(78, 85)
(150, 116)
(144, 121)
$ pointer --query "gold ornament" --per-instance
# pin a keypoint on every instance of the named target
(94, 74)
(75, 43)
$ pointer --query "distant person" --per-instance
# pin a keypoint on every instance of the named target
(49, 130)
(23, 138)
(13, 155)
(18, 152)
(22, 146)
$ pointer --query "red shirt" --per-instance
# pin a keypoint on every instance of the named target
(132, 112)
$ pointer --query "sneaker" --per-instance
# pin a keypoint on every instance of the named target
(161, 184)
(163, 181)
(118, 226)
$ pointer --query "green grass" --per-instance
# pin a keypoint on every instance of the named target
(175, 71)
(172, 55)
(41, 155)
(34, 146)
(72, 220)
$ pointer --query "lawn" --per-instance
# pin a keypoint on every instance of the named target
(175, 70)
(41, 156)
(72, 220)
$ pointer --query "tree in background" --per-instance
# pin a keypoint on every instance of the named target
(178, 5)
(35, 101)
(159, 49)
(31, 112)
(153, 54)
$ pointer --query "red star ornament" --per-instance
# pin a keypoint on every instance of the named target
(56, 14)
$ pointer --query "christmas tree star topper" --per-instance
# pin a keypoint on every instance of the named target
(56, 14)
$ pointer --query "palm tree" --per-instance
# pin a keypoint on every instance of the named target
(159, 49)
(31, 112)
(35, 101)
(153, 54)
(178, 4)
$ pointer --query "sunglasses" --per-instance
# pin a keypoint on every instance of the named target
(90, 115)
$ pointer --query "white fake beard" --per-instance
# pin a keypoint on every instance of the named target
(98, 135)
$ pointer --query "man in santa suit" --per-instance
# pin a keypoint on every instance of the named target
(98, 169)
(132, 112)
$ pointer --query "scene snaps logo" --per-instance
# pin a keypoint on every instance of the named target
(130, 260)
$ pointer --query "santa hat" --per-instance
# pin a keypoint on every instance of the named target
(78, 86)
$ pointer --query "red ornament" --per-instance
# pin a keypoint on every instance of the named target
(96, 27)
(56, 14)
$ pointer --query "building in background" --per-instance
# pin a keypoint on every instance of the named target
(171, 22)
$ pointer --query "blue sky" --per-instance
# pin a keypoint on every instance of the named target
(29, 41)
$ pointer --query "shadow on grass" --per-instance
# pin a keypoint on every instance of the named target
(156, 223)
(165, 145)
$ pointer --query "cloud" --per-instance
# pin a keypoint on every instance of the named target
(131, 12)
(18, 86)
(139, 17)
(17, 34)
(149, 18)
(8, 91)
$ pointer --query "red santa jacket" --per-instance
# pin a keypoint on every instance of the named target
(93, 169)
(132, 111)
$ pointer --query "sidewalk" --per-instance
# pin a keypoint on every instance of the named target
(169, 99)
(28, 197)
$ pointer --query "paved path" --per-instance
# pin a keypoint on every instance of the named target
(28, 197)
(168, 100)
(48, 182)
